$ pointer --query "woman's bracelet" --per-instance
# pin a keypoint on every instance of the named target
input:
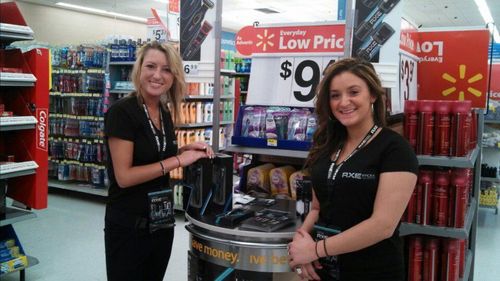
(316, 246)
(178, 161)
(324, 247)
(163, 172)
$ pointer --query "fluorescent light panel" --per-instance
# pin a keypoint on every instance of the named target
(100, 12)
(486, 14)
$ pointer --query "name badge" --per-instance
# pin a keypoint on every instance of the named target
(161, 212)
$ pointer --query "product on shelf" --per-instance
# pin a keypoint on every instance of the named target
(279, 179)
(441, 128)
(258, 178)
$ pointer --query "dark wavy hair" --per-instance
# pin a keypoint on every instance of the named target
(330, 132)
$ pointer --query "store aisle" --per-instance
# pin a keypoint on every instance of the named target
(67, 239)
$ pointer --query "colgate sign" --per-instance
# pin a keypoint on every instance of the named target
(42, 133)
(291, 39)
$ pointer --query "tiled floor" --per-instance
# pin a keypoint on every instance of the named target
(67, 239)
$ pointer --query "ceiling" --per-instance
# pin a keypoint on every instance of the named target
(239, 13)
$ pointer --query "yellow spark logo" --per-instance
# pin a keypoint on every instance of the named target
(451, 79)
(265, 40)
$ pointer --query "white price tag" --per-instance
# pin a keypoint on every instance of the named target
(286, 81)
(407, 78)
(156, 32)
(191, 69)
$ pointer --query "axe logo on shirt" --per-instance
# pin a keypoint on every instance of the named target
(358, 176)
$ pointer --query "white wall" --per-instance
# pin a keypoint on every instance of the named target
(61, 26)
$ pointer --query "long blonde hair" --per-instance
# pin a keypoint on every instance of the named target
(171, 100)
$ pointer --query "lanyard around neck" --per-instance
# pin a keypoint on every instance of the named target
(161, 149)
(332, 175)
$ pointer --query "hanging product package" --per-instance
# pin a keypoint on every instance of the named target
(161, 212)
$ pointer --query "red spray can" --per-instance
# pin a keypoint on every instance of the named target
(442, 122)
(426, 186)
(461, 268)
(411, 208)
(415, 262)
(458, 194)
(473, 130)
(431, 260)
(440, 198)
(425, 131)
(450, 260)
(410, 123)
(460, 128)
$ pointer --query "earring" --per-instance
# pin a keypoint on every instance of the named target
(373, 110)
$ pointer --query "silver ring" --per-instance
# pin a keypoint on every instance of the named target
(298, 270)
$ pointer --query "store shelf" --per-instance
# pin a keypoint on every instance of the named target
(206, 97)
(241, 74)
(267, 151)
(79, 187)
(243, 92)
(227, 72)
(14, 32)
(13, 123)
(10, 79)
(199, 125)
(496, 180)
(450, 232)
(13, 215)
(491, 121)
(17, 169)
(458, 162)
(121, 91)
(121, 62)
(468, 266)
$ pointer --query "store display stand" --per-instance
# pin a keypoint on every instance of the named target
(24, 91)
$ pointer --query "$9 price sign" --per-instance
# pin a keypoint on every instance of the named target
(299, 76)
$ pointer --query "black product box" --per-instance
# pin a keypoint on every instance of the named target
(268, 220)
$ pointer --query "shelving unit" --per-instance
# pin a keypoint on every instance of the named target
(469, 231)
(24, 92)
(77, 150)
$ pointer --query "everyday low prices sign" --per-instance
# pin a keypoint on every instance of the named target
(288, 61)
(453, 65)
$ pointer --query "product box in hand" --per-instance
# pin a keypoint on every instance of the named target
(13, 257)
(274, 127)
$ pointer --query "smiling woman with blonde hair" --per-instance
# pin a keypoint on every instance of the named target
(139, 129)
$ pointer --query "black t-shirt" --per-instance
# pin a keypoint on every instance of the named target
(127, 120)
(351, 198)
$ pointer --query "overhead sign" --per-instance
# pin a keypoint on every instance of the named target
(291, 39)
(453, 65)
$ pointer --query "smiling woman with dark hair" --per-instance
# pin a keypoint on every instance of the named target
(363, 175)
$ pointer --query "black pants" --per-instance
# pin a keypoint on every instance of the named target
(135, 254)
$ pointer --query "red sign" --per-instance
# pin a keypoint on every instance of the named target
(408, 38)
(291, 39)
(495, 82)
(42, 129)
(453, 65)
(173, 6)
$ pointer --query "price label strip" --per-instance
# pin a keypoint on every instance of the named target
(191, 69)
(295, 83)
(408, 78)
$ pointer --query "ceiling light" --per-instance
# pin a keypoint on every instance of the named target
(163, 1)
(100, 12)
(486, 14)
(267, 11)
